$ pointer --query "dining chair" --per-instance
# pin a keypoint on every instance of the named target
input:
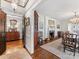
(70, 42)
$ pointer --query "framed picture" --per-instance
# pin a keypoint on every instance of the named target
(27, 21)
(22, 3)
(51, 22)
(13, 24)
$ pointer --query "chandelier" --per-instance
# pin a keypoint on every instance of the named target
(75, 19)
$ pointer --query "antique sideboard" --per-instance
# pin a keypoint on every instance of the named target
(11, 36)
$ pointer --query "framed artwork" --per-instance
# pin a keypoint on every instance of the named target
(27, 21)
(13, 24)
(51, 22)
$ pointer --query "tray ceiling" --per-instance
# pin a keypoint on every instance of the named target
(21, 3)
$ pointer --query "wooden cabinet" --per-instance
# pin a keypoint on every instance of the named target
(2, 32)
(11, 36)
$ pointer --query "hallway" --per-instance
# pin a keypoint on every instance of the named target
(38, 54)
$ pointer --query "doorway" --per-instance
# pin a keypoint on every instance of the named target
(35, 29)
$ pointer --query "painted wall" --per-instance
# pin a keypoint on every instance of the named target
(30, 36)
(64, 25)
(30, 13)
(41, 25)
(44, 20)
(45, 27)
(73, 28)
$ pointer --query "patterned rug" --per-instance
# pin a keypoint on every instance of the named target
(16, 54)
(56, 48)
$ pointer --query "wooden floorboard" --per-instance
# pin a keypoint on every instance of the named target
(39, 53)
(43, 54)
(13, 44)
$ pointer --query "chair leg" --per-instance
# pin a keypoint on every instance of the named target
(78, 46)
(64, 48)
(74, 51)
(78, 49)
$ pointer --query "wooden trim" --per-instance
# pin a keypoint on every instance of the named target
(35, 29)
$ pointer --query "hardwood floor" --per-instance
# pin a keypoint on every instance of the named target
(13, 44)
(43, 54)
(39, 52)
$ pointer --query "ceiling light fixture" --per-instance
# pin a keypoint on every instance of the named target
(75, 19)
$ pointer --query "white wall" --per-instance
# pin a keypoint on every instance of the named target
(44, 19)
(30, 36)
(73, 28)
(30, 13)
(41, 25)
(47, 26)
(42, 22)
(64, 25)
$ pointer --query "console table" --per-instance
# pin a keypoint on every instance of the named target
(11, 36)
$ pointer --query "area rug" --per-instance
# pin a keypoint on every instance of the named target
(16, 54)
(56, 48)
